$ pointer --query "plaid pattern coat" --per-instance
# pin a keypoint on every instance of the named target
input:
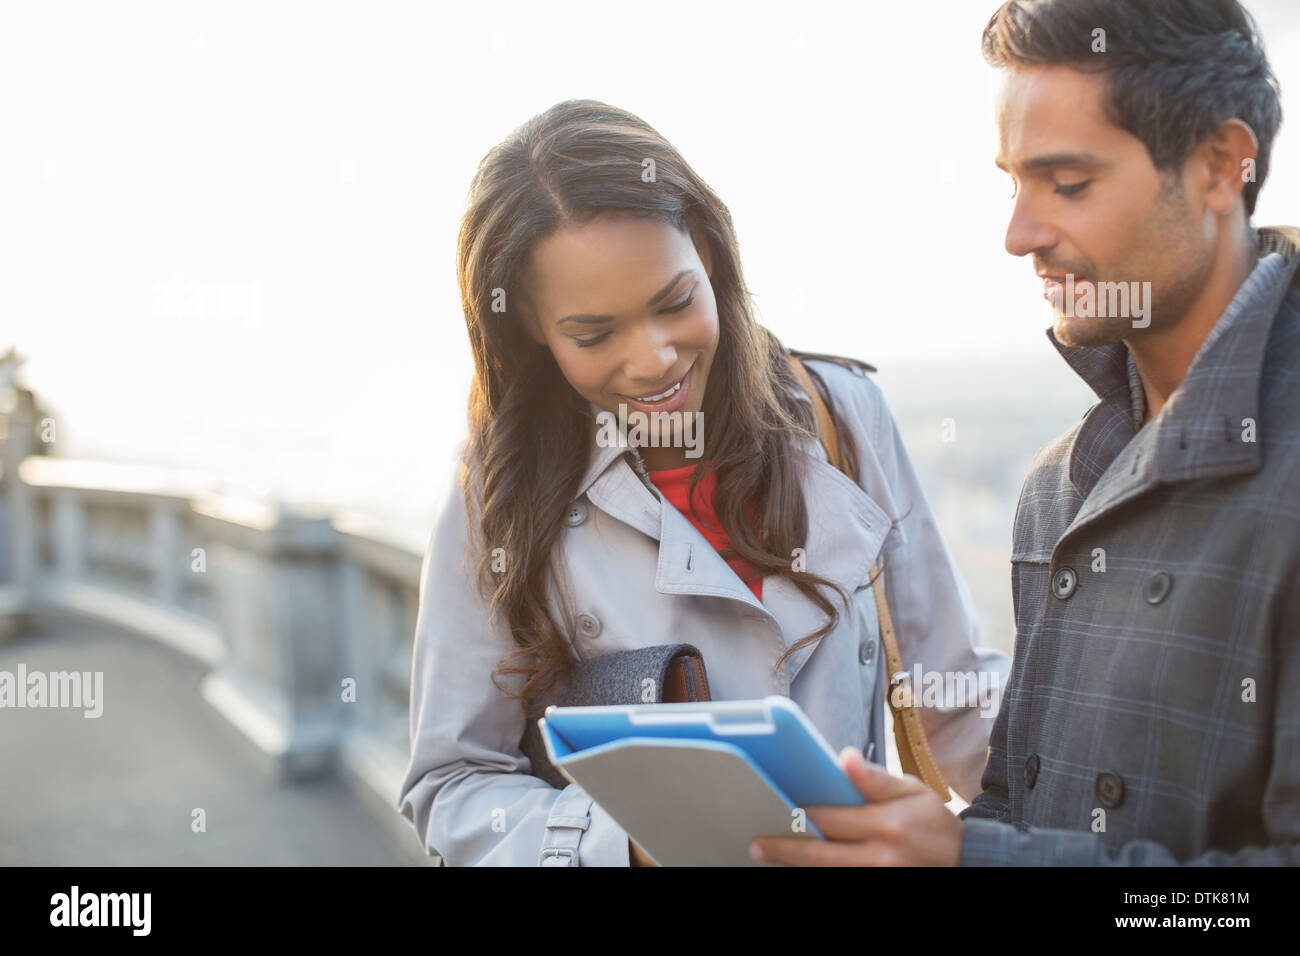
(1153, 711)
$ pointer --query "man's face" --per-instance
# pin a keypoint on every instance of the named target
(1090, 203)
(627, 309)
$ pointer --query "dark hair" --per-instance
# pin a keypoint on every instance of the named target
(530, 432)
(1175, 69)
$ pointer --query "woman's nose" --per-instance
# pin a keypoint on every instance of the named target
(651, 357)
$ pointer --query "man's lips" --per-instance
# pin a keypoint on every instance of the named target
(1054, 285)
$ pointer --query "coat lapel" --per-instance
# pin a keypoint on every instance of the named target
(613, 487)
(1199, 431)
(846, 530)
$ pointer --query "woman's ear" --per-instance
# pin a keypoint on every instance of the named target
(527, 316)
(702, 248)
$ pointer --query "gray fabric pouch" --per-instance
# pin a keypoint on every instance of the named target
(663, 673)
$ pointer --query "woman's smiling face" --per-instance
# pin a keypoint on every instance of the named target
(627, 309)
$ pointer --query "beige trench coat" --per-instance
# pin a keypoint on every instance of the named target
(641, 574)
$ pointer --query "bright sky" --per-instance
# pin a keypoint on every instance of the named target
(229, 229)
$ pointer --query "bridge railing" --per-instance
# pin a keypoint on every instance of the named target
(306, 619)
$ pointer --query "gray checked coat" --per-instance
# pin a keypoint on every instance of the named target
(1153, 709)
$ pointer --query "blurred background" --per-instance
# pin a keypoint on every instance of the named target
(228, 276)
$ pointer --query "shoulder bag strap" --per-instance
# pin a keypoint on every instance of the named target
(913, 748)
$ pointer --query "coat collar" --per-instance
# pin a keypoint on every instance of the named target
(846, 530)
(1197, 434)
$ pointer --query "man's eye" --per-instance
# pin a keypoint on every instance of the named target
(1072, 189)
(588, 343)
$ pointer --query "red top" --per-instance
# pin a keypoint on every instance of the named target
(673, 483)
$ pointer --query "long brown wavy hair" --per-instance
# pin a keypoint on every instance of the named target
(530, 432)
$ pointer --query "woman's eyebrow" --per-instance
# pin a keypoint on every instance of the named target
(586, 319)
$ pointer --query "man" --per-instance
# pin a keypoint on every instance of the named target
(1153, 710)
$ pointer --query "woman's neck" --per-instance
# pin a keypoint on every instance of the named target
(661, 459)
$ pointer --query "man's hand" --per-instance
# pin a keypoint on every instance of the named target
(904, 823)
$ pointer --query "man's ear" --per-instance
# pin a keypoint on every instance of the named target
(1229, 155)
(703, 249)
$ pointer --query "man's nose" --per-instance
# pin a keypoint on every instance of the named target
(1027, 232)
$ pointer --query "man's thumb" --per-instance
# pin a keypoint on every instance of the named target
(872, 780)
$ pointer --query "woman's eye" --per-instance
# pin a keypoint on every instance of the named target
(681, 305)
(1072, 189)
(596, 340)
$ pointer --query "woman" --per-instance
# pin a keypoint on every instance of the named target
(601, 277)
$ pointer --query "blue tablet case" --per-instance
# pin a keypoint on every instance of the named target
(694, 783)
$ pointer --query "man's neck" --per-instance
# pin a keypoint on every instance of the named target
(1164, 356)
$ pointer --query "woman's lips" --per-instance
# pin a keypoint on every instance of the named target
(670, 402)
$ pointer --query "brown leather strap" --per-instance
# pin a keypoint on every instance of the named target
(825, 424)
(914, 751)
(913, 746)
(686, 680)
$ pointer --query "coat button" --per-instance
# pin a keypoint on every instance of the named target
(1064, 582)
(1158, 586)
(867, 652)
(577, 514)
(1031, 770)
(588, 626)
(1110, 788)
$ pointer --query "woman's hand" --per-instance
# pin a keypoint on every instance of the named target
(903, 823)
(637, 855)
